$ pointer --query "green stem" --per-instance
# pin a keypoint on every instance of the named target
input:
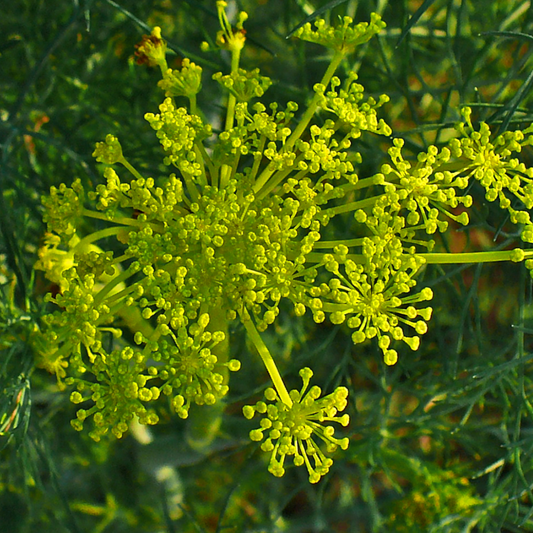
(332, 244)
(116, 300)
(318, 257)
(437, 258)
(456, 166)
(308, 115)
(330, 307)
(304, 121)
(474, 257)
(207, 160)
(232, 169)
(351, 206)
(200, 159)
(191, 187)
(257, 160)
(125, 221)
(225, 171)
(267, 358)
(280, 176)
(192, 102)
(123, 276)
(96, 236)
(163, 65)
(360, 184)
(131, 169)
(232, 100)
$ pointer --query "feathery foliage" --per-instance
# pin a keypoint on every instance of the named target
(280, 219)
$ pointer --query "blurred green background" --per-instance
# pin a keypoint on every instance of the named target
(441, 442)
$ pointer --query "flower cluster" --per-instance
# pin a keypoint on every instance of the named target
(489, 161)
(118, 394)
(187, 366)
(374, 306)
(343, 38)
(241, 221)
(291, 427)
